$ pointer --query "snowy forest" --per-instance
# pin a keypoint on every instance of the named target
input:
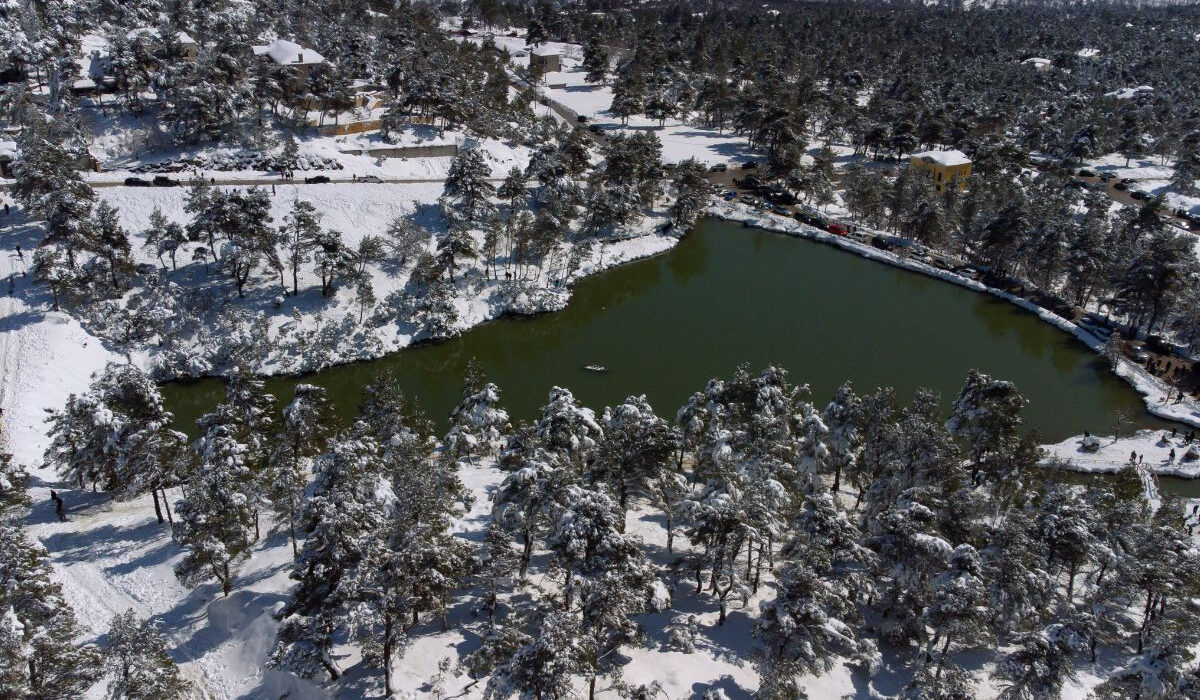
(788, 545)
(826, 535)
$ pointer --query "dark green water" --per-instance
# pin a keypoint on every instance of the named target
(729, 294)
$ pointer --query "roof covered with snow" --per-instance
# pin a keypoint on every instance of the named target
(181, 37)
(1129, 93)
(544, 51)
(8, 149)
(284, 52)
(1087, 53)
(1037, 62)
(946, 158)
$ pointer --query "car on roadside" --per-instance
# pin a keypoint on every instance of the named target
(1084, 172)
(746, 199)
(780, 210)
(1139, 195)
(164, 181)
(1106, 176)
(595, 128)
(1127, 181)
(1120, 187)
(374, 179)
(581, 118)
(718, 168)
(136, 182)
(729, 196)
(316, 180)
(750, 165)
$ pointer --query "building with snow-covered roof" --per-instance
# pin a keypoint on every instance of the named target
(943, 168)
(1037, 63)
(543, 60)
(189, 49)
(290, 55)
(1130, 93)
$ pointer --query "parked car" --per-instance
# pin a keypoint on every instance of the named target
(1120, 187)
(1139, 195)
(782, 211)
(719, 168)
(581, 118)
(746, 199)
(750, 165)
(164, 181)
(316, 180)
(1106, 176)
(729, 196)
(595, 128)
(1127, 181)
(1084, 172)
(371, 178)
(136, 182)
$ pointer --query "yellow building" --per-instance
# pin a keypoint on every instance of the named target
(943, 167)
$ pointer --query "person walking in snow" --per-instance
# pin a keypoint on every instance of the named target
(1172, 454)
(59, 510)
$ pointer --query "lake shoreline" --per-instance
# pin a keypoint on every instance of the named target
(1153, 394)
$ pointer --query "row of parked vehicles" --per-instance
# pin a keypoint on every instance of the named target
(164, 181)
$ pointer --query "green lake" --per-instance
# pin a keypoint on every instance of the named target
(727, 295)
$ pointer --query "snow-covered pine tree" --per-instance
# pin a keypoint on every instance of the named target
(844, 418)
(568, 429)
(216, 517)
(38, 646)
(526, 502)
(410, 566)
(1040, 666)
(14, 481)
(637, 445)
(958, 608)
(147, 454)
(466, 196)
(987, 414)
(308, 424)
(349, 502)
(478, 424)
(545, 666)
(806, 625)
(79, 435)
(136, 656)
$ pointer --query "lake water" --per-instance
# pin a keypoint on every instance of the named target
(729, 294)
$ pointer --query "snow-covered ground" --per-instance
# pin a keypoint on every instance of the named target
(116, 148)
(1153, 448)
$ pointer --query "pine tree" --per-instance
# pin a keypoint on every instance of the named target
(478, 423)
(299, 233)
(163, 237)
(636, 445)
(466, 197)
(308, 425)
(544, 666)
(216, 517)
(844, 416)
(987, 413)
(136, 655)
(337, 519)
(568, 429)
(38, 644)
(958, 610)
(1040, 665)
(14, 481)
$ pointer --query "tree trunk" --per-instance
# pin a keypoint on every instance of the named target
(387, 655)
(942, 658)
(167, 506)
(157, 510)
